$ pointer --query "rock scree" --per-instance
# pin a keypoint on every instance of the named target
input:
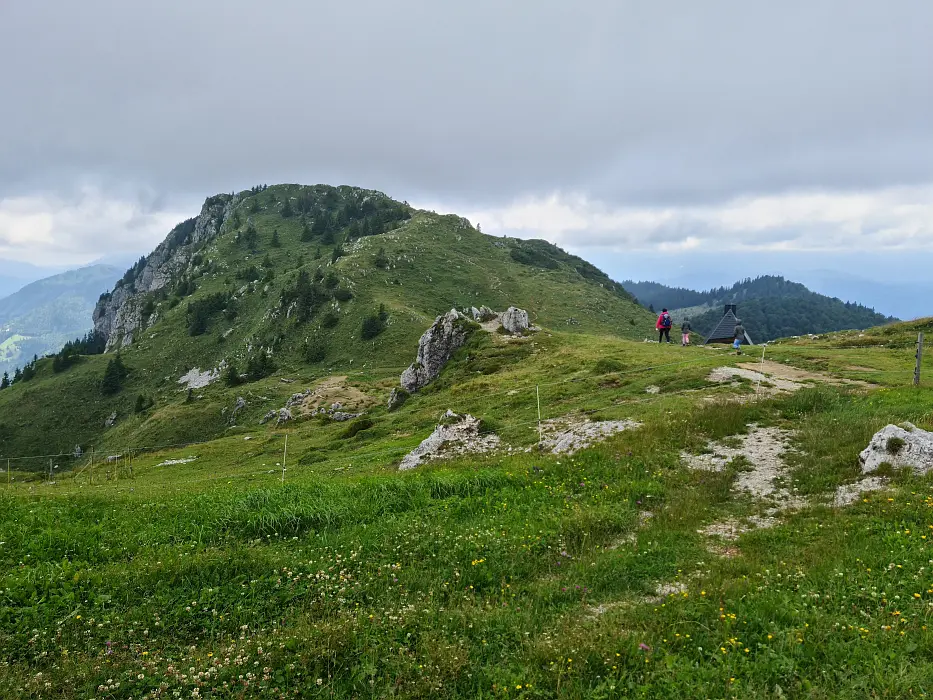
(446, 335)
(568, 435)
(455, 435)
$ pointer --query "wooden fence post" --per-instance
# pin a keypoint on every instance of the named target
(919, 359)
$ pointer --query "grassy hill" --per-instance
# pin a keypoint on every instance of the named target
(44, 315)
(514, 574)
(701, 552)
(770, 307)
(291, 269)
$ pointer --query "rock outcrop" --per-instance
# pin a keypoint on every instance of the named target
(482, 314)
(514, 320)
(237, 407)
(899, 446)
(121, 314)
(438, 344)
(281, 415)
(397, 398)
(456, 435)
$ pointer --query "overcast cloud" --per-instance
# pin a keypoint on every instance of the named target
(602, 125)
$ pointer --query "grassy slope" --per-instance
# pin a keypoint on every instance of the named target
(478, 576)
(436, 263)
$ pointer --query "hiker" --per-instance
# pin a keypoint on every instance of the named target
(663, 326)
(739, 335)
(685, 329)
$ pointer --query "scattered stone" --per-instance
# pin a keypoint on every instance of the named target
(111, 419)
(514, 320)
(77, 452)
(456, 435)
(298, 399)
(653, 389)
(900, 447)
(113, 458)
(731, 529)
(397, 398)
(569, 435)
(282, 415)
(170, 462)
(342, 416)
(482, 314)
(847, 494)
(448, 333)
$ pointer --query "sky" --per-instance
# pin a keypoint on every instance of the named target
(672, 140)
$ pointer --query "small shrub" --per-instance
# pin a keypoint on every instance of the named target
(343, 294)
(329, 319)
(894, 445)
(375, 324)
(231, 377)
(259, 366)
(355, 427)
(114, 375)
(607, 365)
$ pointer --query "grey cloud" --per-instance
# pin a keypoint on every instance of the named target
(474, 103)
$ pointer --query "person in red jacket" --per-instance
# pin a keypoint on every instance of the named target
(663, 326)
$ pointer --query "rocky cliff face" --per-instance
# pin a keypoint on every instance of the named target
(119, 315)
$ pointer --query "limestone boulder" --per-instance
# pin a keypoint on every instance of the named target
(900, 446)
(515, 320)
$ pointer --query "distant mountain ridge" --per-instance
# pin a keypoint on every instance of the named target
(42, 316)
(770, 307)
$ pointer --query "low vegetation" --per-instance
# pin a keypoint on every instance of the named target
(506, 575)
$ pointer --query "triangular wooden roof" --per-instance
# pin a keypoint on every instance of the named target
(724, 332)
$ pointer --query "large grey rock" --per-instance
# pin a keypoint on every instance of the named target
(448, 333)
(118, 315)
(899, 446)
(514, 320)
(111, 419)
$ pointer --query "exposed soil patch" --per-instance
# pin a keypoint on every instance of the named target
(776, 378)
(770, 385)
(568, 435)
(330, 391)
(763, 448)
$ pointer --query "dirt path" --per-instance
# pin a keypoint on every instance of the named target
(772, 378)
